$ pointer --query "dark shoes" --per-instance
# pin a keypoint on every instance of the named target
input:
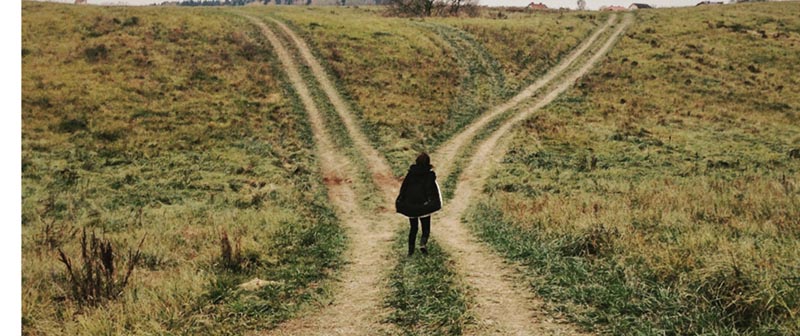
(422, 249)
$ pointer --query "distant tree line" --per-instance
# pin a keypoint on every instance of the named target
(219, 2)
(400, 7)
(397, 7)
(234, 2)
(432, 7)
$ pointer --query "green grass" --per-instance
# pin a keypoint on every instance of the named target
(427, 296)
(175, 125)
(370, 198)
(399, 74)
(449, 184)
(526, 45)
(660, 196)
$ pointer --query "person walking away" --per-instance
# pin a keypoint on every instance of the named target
(419, 198)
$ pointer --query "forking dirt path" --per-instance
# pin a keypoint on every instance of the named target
(501, 307)
(446, 154)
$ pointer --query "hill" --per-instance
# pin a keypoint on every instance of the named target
(176, 126)
(657, 195)
(172, 126)
(661, 192)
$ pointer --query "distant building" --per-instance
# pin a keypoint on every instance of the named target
(613, 8)
(639, 6)
(539, 6)
(703, 3)
(81, 2)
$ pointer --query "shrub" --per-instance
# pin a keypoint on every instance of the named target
(97, 280)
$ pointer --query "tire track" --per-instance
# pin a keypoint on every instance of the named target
(505, 308)
(378, 166)
(446, 155)
(356, 310)
(482, 82)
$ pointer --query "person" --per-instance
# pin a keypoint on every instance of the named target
(419, 198)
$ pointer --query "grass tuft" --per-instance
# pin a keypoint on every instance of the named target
(98, 278)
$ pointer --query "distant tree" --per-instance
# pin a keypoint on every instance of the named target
(412, 7)
(582, 4)
(431, 7)
(455, 6)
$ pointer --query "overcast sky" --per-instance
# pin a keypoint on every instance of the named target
(591, 4)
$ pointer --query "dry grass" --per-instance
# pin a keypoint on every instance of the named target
(660, 195)
(412, 84)
(170, 123)
(527, 44)
(661, 192)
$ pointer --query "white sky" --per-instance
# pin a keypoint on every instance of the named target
(591, 4)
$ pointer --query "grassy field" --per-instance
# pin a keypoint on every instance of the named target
(363, 184)
(527, 44)
(661, 195)
(172, 126)
(426, 297)
(417, 82)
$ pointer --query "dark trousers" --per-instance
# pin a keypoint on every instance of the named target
(412, 234)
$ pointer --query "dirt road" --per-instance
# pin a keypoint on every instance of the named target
(446, 154)
(501, 306)
(357, 306)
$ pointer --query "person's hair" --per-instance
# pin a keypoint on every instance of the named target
(424, 160)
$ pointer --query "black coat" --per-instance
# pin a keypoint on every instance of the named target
(419, 194)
